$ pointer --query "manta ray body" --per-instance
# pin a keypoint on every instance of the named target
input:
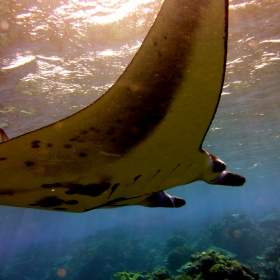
(140, 138)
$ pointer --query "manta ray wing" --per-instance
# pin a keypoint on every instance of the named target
(143, 136)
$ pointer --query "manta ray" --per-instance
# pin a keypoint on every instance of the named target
(143, 136)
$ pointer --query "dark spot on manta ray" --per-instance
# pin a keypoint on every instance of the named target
(83, 132)
(94, 129)
(155, 43)
(165, 37)
(83, 154)
(49, 145)
(51, 186)
(67, 146)
(113, 189)
(49, 201)
(29, 163)
(3, 158)
(137, 177)
(94, 189)
(71, 202)
(156, 173)
(70, 192)
(73, 139)
(35, 146)
(73, 188)
(7, 192)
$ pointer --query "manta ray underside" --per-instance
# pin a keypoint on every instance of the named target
(143, 136)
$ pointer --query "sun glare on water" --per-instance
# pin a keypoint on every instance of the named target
(109, 11)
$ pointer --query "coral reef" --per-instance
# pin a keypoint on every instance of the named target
(271, 225)
(175, 241)
(271, 220)
(238, 234)
(175, 259)
(159, 274)
(268, 264)
(110, 253)
(204, 266)
(97, 256)
(178, 251)
(215, 266)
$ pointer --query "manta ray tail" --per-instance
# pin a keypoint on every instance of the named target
(162, 199)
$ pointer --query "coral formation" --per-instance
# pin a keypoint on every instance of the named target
(204, 266)
(271, 220)
(175, 259)
(159, 274)
(215, 266)
(268, 263)
(175, 241)
(238, 234)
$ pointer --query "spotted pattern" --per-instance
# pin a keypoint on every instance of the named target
(83, 154)
(49, 201)
(35, 144)
(137, 177)
(53, 202)
(29, 163)
(113, 189)
(94, 189)
(51, 186)
(7, 192)
(67, 146)
(73, 188)
(71, 202)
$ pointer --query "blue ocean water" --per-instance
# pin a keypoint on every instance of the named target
(57, 57)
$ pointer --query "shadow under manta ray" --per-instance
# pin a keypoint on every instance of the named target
(143, 136)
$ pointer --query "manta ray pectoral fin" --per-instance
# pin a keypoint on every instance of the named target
(4, 136)
(162, 199)
(119, 150)
(228, 178)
